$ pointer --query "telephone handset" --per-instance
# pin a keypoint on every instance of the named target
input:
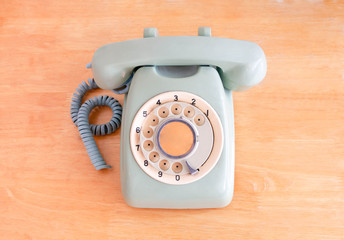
(241, 64)
(177, 134)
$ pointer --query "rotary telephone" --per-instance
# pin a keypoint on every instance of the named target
(177, 135)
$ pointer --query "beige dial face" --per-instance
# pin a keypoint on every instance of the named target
(176, 137)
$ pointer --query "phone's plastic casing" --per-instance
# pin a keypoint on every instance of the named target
(224, 65)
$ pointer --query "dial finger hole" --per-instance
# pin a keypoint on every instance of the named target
(199, 120)
(148, 132)
(154, 156)
(153, 120)
(164, 165)
(148, 145)
(189, 112)
(176, 109)
(163, 112)
(177, 167)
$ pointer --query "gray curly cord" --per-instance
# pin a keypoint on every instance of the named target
(80, 113)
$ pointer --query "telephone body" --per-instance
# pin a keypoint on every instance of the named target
(177, 134)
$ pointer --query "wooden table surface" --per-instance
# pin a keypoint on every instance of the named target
(289, 174)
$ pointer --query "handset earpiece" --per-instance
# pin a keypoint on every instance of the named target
(241, 64)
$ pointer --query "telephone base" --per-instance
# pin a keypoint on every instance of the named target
(215, 189)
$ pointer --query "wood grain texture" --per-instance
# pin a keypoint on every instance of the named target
(289, 181)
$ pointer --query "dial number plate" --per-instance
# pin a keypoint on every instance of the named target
(169, 113)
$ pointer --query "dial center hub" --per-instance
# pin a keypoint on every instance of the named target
(176, 138)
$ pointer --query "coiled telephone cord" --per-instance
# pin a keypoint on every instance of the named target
(80, 114)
